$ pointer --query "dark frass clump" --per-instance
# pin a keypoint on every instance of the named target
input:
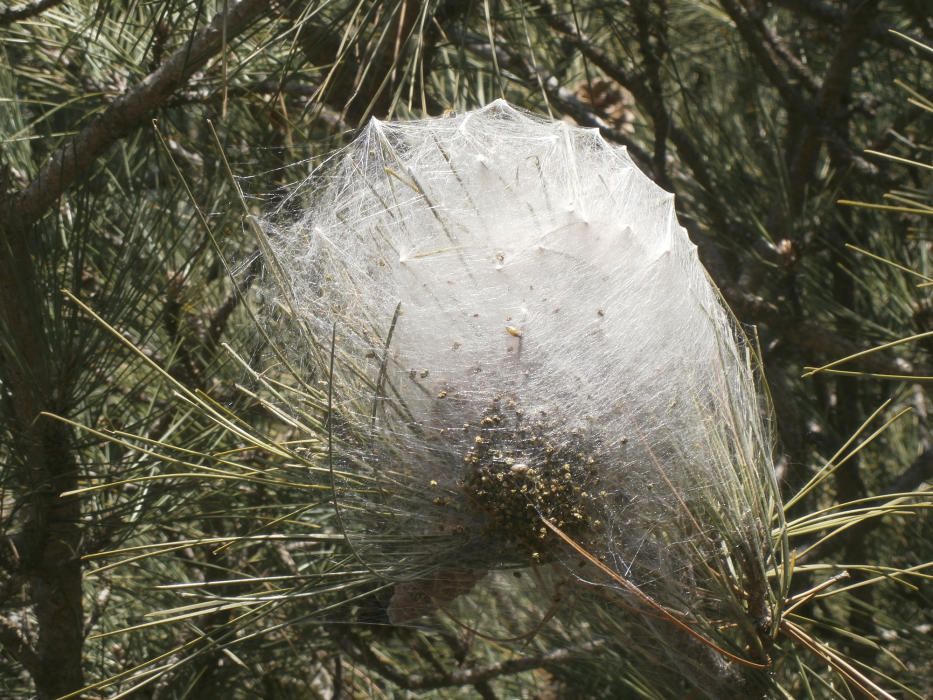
(519, 472)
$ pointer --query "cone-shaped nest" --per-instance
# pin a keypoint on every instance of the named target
(523, 332)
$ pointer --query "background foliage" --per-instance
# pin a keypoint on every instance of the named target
(115, 120)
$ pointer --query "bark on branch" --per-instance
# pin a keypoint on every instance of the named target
(76, 156)
(360, 652)
(17, 13)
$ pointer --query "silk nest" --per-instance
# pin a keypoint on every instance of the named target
(513, 331)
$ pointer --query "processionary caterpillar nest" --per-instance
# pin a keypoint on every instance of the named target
(523, 333)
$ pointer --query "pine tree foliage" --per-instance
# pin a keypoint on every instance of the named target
(167, 530)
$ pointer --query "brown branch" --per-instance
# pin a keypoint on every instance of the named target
(587, 116)
(514, 61)
(8, 15)
(771, 53)
(217, 319)
(361, 73)
(47, 548)
(799, 70)
(485, 690)
(829, 109)
(916, 474)
(459, 677)
(816, 9)
(652, 43)
(75, 157)
(833, 16)
(756, 39)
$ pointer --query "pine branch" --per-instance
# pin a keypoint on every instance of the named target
(360, 652)
(833, 15)
(916, 474)
(587, 116)
(652, 44)
(17, 13)
(357, 88)
(76, 156)
(828, 111)
(756, 39)
(514, 61)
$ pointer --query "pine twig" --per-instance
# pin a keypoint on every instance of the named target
(460, 677)
(17, 13)
(76, 156)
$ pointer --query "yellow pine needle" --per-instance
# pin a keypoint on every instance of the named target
(898, 159)
(886, 261)
(869, 351)
(645, 598)
(925, 211)
(831, 463)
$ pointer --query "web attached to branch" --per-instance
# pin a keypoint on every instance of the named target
(523, 333)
